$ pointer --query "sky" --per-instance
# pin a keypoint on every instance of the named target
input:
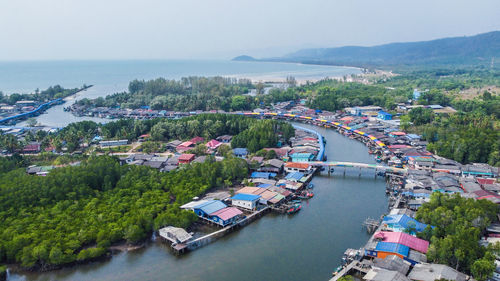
(221, 29)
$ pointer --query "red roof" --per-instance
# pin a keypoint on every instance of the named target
(397, 133)
(187, 143)
(144, 136)
(213, 144)
(32, 147)
(197, 140)
(297, 165)
(485, 181)
(281, 152)
(227, 213)
(187, 157)
(404, 239)
(398, 146)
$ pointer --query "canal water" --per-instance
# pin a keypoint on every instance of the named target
(305, 246)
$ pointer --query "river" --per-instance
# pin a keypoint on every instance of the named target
(305, 246)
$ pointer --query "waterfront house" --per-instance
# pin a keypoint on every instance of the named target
(245, 201)
(298, 167)
(403, 238)
(384, 249)
(294, 176)
(382, 115)
(226, 216)
(302, 157)
(263, 175)
(175, 234)
(240, 152)
(204, 209)
(186, 158)
(402, 222)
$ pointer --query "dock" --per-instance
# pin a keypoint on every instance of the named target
(207, 239)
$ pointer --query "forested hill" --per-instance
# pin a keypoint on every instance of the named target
(460, 51)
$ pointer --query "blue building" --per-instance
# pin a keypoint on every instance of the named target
(209, 207)
(382, 115)
(302, 157)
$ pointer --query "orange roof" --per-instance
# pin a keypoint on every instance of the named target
(297, 165)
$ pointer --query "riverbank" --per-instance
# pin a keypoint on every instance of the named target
(265, 239)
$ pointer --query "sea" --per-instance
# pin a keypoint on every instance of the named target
(114, 75)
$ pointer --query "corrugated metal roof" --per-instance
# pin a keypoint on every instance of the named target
(294, 176)
(245, 197)
(227, 213)
(404, 239)
(405, 221)
(393, 248)
(211, 206)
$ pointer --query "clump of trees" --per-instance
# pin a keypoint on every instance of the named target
(458, 223)
(333, 95)
(263, 134)
(76, 213)
(53, 92)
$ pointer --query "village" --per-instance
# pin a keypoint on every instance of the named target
(278, 184)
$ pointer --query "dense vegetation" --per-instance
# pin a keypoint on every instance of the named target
(187, 94)
(334, 95)
(76, 135)
(458, 225)
(192, 93)
(448, 79)
(51, 93)
(263, 134)
(475, 50)
(470, 135)
(76, 213)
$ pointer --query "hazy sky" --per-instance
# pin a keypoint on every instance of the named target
(126, 29)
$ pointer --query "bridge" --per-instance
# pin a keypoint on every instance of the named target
(359, 165)
(33, 112)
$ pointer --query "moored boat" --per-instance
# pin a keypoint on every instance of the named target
(294, 209)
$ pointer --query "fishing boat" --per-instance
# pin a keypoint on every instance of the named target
(305, 195)
(294, 209)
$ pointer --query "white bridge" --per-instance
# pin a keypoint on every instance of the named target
(359, 165)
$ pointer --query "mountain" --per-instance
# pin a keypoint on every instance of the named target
(244, 58)
(459, 51)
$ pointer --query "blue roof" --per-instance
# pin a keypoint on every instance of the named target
(412, 136)
(240, 151)
(294, 176)
(210, 206)
(245, 197)
(393, 248)
(263, 175)
(404, 221)
(384, 113)
(298, 154)
(264, 185)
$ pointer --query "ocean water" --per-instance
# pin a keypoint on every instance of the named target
(113, 76)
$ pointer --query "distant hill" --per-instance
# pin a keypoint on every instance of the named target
(459, 51)
(244, 58)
